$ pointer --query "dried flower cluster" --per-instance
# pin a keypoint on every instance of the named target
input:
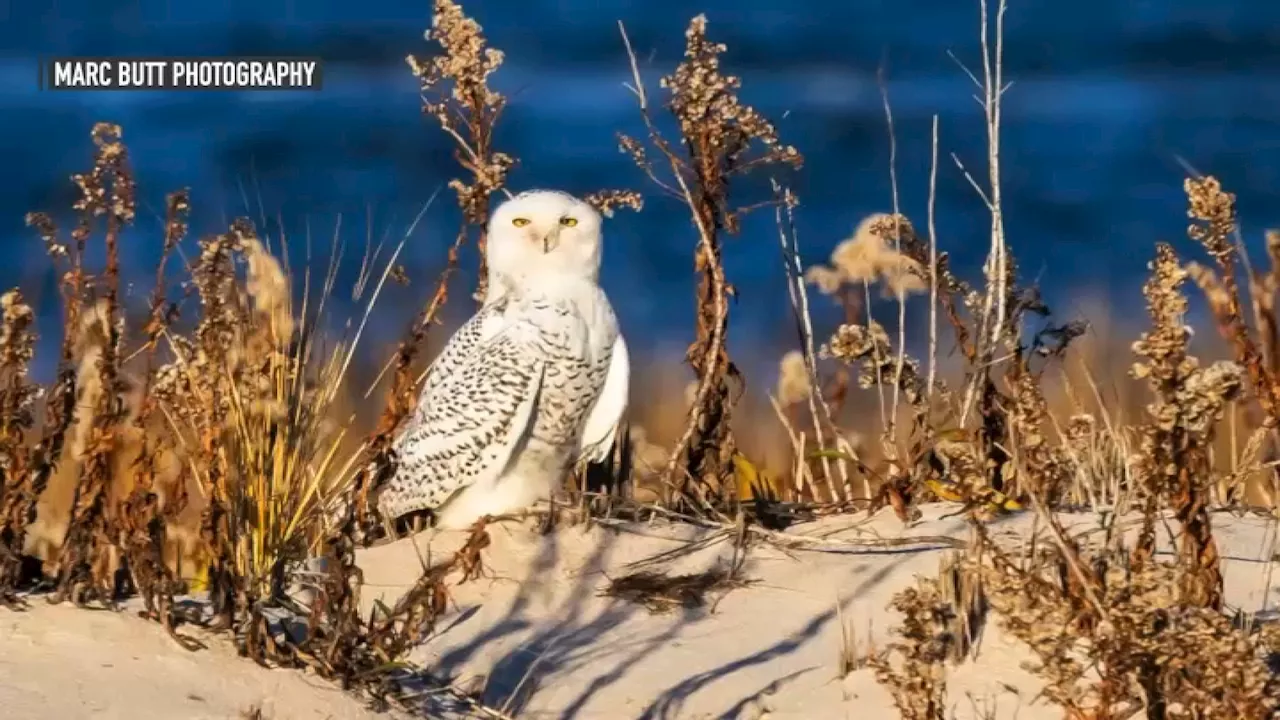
(1214, 214)
(873, 254)
(870, 347)
(607, 201)
(1188, 401)
(793, 379)
(705, 103)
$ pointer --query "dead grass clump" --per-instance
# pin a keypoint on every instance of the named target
(720, 138)
(661, 593)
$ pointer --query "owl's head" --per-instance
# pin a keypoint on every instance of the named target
(544, 233)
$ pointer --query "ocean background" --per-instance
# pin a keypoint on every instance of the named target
(1108, 100)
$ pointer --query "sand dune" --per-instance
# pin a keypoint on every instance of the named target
(541, 640)
(63, 663)
(538, 639)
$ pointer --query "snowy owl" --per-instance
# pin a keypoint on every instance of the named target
(534, 382)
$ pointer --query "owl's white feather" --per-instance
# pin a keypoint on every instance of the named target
(601, 431)
(535, 380)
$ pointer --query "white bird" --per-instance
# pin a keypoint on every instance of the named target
(536, 381)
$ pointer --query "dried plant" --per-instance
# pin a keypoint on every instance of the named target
(661, 593)
(913, 666)
(1039, 467)
(247, 404)
(144, 517)
(367, 653)
(1188, 401)
(720, 139)
(793, 379)
(1214, 213)
(83, 572)
(1135, 646)
(868, 349)
(17, 396)
(252, 394)
(868, 257)
(455, 91)
(60, 400)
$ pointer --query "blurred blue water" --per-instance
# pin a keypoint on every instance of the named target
(1107, 97)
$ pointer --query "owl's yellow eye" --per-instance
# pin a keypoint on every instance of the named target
(568, 221)
(520, 222)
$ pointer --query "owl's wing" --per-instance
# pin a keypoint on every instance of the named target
(476, 408)
(601, 428)
(489, 322)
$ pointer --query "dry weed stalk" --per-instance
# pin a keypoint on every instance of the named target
(1188, 402)
(17, 396)
(1214, 213)
(144, 518)
(60, 401)
(868, 348)
(83, 564)
(913, 667)
(995, 317)
(804, 370)
(455, 91)
(1262, 291)
(368, 653)
(720, 139)
(1038, 467)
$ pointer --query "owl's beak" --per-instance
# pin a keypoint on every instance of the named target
(550, 241)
